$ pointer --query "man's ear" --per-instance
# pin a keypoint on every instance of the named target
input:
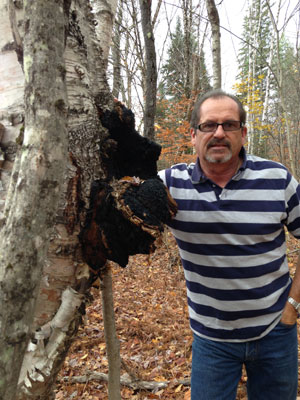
(193, 135)
(244, 134)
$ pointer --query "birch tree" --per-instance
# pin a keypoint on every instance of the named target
(116, 52)
(37, 182)
(47, 193)
(214, 20)
(279, 81)
(268, 66)
(255, 58)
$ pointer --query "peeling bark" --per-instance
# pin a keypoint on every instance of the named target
(48, 341)
(85, 79)
(64, 266)
(30, 214)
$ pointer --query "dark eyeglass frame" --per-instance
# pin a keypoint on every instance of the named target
(213, 126)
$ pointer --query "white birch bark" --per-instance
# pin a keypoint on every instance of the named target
(11, 100)
(214, 20)
(64, 271)
(29, 217)
(268, 88)
(105, 14)
(64, 268)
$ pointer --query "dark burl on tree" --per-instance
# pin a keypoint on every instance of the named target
(125, 152)
(129, 208)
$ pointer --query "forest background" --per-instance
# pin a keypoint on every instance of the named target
(60, 63)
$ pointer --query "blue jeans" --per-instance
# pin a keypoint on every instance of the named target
(271, 364)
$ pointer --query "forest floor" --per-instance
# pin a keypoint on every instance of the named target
(152, 326)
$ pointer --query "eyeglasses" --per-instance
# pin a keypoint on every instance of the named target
(227, 126)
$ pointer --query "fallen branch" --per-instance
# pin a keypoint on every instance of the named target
(126, 380)
(48, 341)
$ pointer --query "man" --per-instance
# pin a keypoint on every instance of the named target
(230, 228)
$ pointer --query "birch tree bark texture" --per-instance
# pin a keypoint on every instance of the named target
(37, 177)
(55, 171)
(214, 20)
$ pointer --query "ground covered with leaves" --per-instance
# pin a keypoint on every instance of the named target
(152, 326)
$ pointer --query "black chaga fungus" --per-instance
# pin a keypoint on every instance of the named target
(129, 208)
(134, 155)
(124, 221)
(148, 201)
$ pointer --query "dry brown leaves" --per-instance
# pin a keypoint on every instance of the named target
(152, 326)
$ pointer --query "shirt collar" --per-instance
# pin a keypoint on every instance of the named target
(199, 176)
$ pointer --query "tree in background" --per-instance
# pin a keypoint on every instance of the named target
(214, 20)
(150, 77)
(289, 91)
(133, 59)
(173, 71)
(254, 58)
(173, 131)
(184, 76)
(174, 81)
(267, 77)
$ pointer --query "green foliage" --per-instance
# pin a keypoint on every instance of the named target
(260, 129)
(255, 51)
(174, 71)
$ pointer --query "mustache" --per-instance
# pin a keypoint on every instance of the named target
(215, 141)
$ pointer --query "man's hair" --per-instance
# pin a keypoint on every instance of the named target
(215, 94)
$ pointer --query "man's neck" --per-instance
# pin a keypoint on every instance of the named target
(221, 173)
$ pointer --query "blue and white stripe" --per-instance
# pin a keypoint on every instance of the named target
(232, 246)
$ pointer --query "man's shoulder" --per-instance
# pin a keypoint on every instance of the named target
(176, 171)
(256, 163)
(179, 168)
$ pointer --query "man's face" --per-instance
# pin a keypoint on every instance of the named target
(219, 146)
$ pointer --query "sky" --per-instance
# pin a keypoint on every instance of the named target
(232, 14)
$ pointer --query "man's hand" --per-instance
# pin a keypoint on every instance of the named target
(289, 315)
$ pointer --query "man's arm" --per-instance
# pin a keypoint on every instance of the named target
(289, 315)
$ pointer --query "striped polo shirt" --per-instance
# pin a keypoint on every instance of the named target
(232, 245)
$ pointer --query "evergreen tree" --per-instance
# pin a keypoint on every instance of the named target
(269, 87)
(174, 70)
(254, 53)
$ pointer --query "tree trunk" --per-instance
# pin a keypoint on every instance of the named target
(151, 73)
(37, 181)
(214, 20)
(104, 15)
(291, 158)
(116, 53)
(187, 29)
(111, 339)
(65, 276)
(251, 64)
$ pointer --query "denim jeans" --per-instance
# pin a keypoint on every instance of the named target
(271, 364)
